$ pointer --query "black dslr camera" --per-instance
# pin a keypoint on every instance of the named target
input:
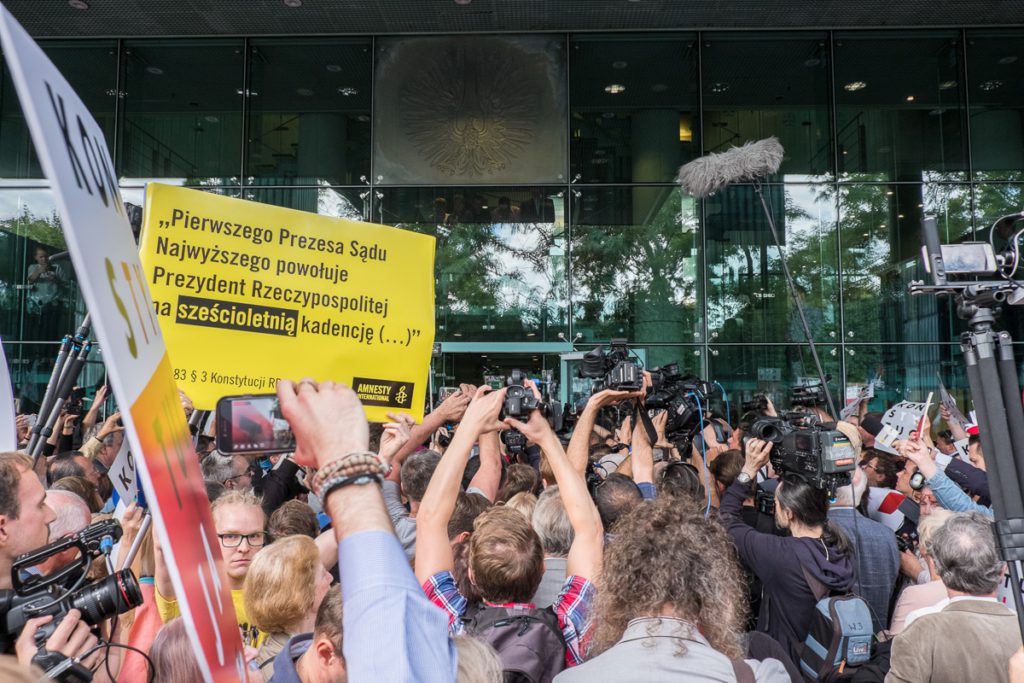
(75, 405)
(37, 595)
(615, 371)
(802, 446)
(684, 398)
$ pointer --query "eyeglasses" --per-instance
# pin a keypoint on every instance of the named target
(868, 466)
(255, 540)
(247, 473)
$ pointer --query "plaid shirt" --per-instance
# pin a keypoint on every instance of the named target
(572, 607)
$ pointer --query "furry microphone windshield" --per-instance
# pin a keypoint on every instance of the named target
(717, 170)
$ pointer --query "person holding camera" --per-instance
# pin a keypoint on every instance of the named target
(815, 550)
(24, 526)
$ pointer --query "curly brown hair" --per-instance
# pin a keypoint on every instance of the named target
(666, 555)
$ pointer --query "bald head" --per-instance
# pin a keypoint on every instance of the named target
(73, 513)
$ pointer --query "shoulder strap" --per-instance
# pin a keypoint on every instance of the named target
(743, 672)
(819, 589)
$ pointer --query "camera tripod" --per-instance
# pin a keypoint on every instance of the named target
(992, 374)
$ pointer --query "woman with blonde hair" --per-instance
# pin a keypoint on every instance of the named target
(283, 590)
(925, 595)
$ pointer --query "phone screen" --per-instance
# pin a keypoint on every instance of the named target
(252, 424)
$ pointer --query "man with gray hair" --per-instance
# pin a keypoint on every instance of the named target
(973, 636)
(231, 471)
(876, 553)
(552, 525)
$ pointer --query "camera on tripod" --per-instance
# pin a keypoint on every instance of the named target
(615, 370)
(36, 595)
(802, 446)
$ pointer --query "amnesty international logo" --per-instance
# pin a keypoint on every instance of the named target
(383, 393)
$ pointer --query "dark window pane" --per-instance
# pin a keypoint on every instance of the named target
(748, 371)
(757, 85)
(995, 70)
(31, 365)
(310, 123)
(881, 255)
(501, 258)
(634, 107)
(39, 298)
(908, 372)
(183, 109)
(91, 69)
(635, 268)
(899, 106)
(748, 299)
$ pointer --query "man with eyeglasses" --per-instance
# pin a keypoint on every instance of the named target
(240, 526)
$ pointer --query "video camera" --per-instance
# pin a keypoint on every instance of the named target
(615, 371)
(802, 446)
(757, 404)
(36, 595)
(808, 395)
(684, 398)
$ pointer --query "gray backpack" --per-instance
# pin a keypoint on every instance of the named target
(529, 641)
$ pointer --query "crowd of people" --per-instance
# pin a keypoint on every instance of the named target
(436, 551)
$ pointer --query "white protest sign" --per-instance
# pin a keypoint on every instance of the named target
(8, 428)
(961, 449)
(897, 424)
(855, 396)
(75, 159)
(122, 474)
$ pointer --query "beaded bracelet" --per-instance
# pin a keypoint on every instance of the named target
(351, 465)
(335, 483)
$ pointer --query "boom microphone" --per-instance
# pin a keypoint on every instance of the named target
(717, 170)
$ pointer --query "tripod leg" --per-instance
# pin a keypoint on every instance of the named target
(1014, 409)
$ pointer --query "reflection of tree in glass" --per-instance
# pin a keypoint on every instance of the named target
(635, 270)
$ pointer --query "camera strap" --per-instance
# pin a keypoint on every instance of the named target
(642, 418)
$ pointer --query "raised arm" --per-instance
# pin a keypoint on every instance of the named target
(586, 552)
(450, 410)
(380, 593)
(488, 478)
(579, 446)
(433, 553)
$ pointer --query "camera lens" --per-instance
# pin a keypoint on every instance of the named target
(115, 594)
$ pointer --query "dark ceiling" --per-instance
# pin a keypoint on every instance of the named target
(53, 18)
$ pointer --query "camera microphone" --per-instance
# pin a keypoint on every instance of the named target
(100, 536)
(717, 170)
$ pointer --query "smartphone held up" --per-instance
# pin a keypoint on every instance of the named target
(252, 424)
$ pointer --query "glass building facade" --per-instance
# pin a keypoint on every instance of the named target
(545, 167)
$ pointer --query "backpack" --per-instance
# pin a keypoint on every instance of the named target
(839, 639)
(529, 641)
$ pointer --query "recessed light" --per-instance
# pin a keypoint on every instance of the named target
(813, 61)
(854, 86)
(620, 64)
(211, 119)
(989, 86)
(363, 118)
(719, 87)
(1008, 59)
(615, 88)
(293, 3)
(463, 2)
(305, 92)
(347, 91)
(608, 115)
(78, 4)
(659, 87)
(155, 70)
(889, 193)
(910, 98)
(946, 85)
(333, 68)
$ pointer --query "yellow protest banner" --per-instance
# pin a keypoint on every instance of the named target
(248, 293)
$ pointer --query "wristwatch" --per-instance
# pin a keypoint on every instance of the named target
(743, 478)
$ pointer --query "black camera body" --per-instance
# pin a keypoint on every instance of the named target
(515, 442)
(802, 446)
(519, 399)
(908, 540)
(37, 595)
(684, 398)
(75, 404)
(808, 395)
(614, 370)
(764, 502)
(757, 404)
